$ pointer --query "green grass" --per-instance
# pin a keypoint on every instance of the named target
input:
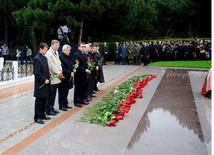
(183, 64)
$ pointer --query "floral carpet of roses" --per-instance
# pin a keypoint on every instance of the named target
(117, 103)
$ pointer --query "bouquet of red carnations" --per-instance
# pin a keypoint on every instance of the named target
(91, 64)
(100, 62)
(76, 65)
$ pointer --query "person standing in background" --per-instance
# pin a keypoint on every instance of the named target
(105, 51)
(123, 53)
(116, 54)
(29, 54)
(41, 83)
(24, 56)
(5, 52)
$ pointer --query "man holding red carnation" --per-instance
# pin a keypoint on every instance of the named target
(67, 82)
(80, 77)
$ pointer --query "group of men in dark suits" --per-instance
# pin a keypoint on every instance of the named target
(55, 71)
(86, 78)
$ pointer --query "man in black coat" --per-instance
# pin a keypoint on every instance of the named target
(145, 51)
(81, 76)
(91, 81)
(66, 82)
(100, 75)
(105, 51)
(41, 83)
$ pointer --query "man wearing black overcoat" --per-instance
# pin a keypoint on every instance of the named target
(81, 76)
(66, 82)
(93, 75)
(41, 83)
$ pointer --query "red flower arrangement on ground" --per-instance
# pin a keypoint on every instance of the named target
(109, 111)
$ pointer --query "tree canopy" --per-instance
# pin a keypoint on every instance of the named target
(103, 20)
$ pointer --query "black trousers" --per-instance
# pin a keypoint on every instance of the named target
(79, 93)
(51, 99)
(90, 88)
(40, 104)
(63, 97)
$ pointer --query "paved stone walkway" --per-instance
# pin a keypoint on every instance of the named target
(63, 134)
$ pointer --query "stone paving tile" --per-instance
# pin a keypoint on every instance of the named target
(203, 105)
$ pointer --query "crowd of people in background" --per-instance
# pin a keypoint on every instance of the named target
(24, 55)
(128, 53)
(137, 53)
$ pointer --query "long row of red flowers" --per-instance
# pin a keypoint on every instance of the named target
(117, 103)
(125, 105)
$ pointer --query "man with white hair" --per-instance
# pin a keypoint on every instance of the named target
(67, 82)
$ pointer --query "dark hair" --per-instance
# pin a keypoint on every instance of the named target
(42, 45)
(95, 44)
(82, 43)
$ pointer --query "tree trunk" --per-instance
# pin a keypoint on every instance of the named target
(6, 25)
(190, 28)
(35, 40)
(80, 30)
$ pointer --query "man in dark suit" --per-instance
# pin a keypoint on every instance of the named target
(67, 82)
(105, 51)
(41, 83)
(100, 75)
(145, 51)
(91, 80)
(81, 76)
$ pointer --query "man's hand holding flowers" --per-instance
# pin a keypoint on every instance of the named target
(91, 64)
(53, 77)
(97, 68)
(88, 71)
(47, 81)
(61, 76)
(100, 61)
(76, 65)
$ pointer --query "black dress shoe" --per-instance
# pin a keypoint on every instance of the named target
(55, 111)
(86, 103)
(68, 107)
(46, 118)
(78, 105)
(89, 98)
(63, 109)
(51, 113)
(39, 121)
(85, 100)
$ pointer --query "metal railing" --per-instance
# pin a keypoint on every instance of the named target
(25, 70)
(7, 72)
